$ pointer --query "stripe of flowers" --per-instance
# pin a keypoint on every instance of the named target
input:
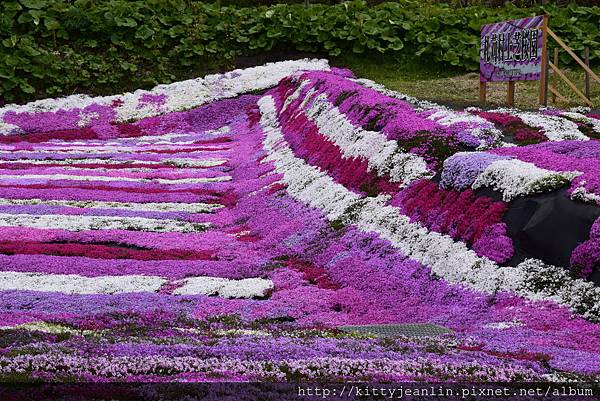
(112, 194)
(170, 269)
(214, 239)
(308, 143)
(150, 157)
(398, 117)
(211, 143)
(258, 345)
(26, 149)
(105, 152)
(144, 367)
(477, 221)
(514, 178)
(70, 134)
(383, 156)
(167, 174)
(82, 223)
(66, 113)
(75, 284)
(565, 156)
(39, 210)
(521, 132)
(554, 127)
(451, 260)
(77, 308)
(511, 177)
(100, 166)
(155, 137)
(111, 156)
(97, 251)
(586, 257)
(462, 169)
(107, 163)
(89, 151)
(472, 131)
(109, 146)
(63, 179)
(147, 207)
(592, 124)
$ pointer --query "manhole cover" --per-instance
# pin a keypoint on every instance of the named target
(396, 330)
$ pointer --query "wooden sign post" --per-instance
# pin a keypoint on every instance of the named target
(514, 51)
(544, 73)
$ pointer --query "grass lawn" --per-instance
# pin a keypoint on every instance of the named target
(457, 87)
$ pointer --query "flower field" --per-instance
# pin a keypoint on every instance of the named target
(226, 228)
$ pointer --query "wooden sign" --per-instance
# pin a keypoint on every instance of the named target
(513, 51)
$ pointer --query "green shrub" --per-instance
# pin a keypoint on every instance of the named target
(54, 47)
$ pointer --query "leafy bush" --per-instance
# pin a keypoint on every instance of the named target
(52, 47)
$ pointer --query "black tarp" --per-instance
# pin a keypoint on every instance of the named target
(547, 226)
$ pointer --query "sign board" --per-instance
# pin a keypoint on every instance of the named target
(512, 50)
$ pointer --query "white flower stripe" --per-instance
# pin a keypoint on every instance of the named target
(179, 162)
(555, 128)
(592, 122)
(114, 150)
(82, 223)
(75, 284)
(514, 178)
(382, 155)
(115, 147)
(150, 207)
(8, 129)
(295, 95)
(86, 170)
(226, 288)
(478, 127)
(56, 177)
(581, 194)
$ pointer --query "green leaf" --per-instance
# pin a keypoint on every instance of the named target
(25, 87)
(34, 4)
(335, 52)
(128, 66)
(51, 24)
(128, 22)
(144, 33)
(396, 45)
(30, 50)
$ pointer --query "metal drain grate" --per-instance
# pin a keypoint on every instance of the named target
(396, 330)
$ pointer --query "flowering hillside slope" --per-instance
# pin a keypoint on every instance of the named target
(197, 232)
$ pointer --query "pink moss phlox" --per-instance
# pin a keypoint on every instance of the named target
(464, 216)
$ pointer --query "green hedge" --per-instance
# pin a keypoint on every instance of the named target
(53, 47)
